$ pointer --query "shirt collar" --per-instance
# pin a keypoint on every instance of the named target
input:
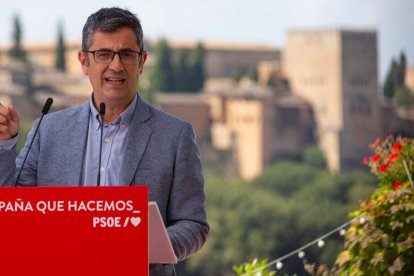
(123, 119)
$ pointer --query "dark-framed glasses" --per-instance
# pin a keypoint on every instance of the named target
(107, 56)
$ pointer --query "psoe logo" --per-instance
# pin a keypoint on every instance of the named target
(115, 222)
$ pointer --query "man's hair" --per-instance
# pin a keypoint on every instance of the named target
(111, 20)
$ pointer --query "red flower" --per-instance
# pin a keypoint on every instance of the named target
(393, 156)
(365, 160)
(376, 157)
(375, 144)
(389, 137)
(383, 168)
(397, 146)
(396, 185)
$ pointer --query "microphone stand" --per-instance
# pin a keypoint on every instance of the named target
(101, 114)
(45, 110)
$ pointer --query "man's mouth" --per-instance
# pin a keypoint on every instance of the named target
(115, 80)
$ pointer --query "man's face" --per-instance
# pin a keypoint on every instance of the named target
(116, 82)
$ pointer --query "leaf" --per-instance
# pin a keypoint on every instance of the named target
(397, 265)
(343, 258)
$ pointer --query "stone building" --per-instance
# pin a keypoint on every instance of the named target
(409, 78)
(28, 86)
(193, 108)
(258, 126)
(42, 55)
(336, 72)
(13, 85)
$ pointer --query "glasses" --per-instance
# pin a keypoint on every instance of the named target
(107, 56)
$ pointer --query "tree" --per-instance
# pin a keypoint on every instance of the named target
(182, 73)
(17, 51)
(390, 81)
(401, 69)
(162, 78)
(394, 86)
(402, 96)
(197, 68)
(286, 207)
(255, 74)
(285, 177)
(60, 62)
(313, 156)
(239, 73)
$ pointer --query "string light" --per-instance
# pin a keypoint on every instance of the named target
(342, 232)
(300, 251)
(279, 265)
(321, 243)
(407, 171)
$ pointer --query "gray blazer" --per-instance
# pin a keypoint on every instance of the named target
(160, 151)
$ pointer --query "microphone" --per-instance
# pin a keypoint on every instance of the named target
(101, 114)
(45, 110)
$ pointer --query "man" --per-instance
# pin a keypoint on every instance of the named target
(142, 145)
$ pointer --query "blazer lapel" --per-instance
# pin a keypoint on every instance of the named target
(76, 136)
(139, 134)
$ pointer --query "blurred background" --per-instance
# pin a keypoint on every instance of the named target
(284, 96)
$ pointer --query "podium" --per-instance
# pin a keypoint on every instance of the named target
(80, 231)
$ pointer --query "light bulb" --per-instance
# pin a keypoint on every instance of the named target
(321, 243)
(279, 265)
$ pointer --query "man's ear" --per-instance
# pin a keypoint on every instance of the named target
(84, 63)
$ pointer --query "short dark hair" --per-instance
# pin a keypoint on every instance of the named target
(110, 20)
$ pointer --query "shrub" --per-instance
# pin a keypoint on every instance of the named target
(380, 241)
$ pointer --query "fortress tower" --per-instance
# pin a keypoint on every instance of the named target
(336, 71)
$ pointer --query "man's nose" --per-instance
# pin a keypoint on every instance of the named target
(116, 63)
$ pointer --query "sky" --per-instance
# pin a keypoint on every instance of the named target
(258, 21)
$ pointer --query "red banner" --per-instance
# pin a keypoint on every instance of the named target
(74, 231)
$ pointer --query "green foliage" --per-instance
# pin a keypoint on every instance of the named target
(189, 70)
(381, 240)
(197, 68)
(271, 81)
(402, 96)
(285, 177)
(401, 69)
(394, 86)
(17, 51)
(289, 205)
(256, 266)
(239, 73)
(183, 74)
(314, 157)
(182, 71)
(162, 78)
(390, 80)
(255, 74)
(60, 59)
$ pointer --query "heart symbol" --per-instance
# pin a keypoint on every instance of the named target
(136, 221)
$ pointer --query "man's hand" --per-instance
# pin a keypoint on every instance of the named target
(9, 122)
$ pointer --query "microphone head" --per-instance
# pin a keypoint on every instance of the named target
(47, 105)
(102, 109)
